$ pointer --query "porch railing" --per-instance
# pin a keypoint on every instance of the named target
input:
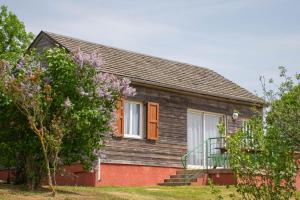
(216, 153)
(210, 154)
(197, 152)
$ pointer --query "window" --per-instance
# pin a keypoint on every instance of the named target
(133, 119)
(248, 139)
(245, 126)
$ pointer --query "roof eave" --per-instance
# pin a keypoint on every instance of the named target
(195, 93)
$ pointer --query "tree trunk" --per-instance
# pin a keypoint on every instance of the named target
(55, 166)
(40, 134)
(8, 176)
(47, 166)
(20, 175)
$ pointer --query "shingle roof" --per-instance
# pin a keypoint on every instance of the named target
(160, 72)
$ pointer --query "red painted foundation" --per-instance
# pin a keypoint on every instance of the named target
(131, 175)
(223, 178)
(111, 175)
(76, 175)
(298, 181)
(3, 175)
(115, 175)
(218, 177)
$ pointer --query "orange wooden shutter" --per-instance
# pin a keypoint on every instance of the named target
(152, 120)
(120, 118)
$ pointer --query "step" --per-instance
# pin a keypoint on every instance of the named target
(192, 177)
(180, 180)
(189, 172)
(174, 184)
(185, 176)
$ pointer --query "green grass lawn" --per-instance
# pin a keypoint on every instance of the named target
(9, 192)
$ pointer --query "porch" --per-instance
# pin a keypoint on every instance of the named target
(208, 161)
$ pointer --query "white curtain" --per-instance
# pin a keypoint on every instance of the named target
(212, 131)
(195, 138)
(132, 118)
(135, 118)
(126, 118)
(211, 126)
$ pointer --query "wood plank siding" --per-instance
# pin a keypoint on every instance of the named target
(172, 139)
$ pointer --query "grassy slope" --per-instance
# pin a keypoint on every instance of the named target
(115, 193)
(112, 193)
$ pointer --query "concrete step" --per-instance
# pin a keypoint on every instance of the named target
(183, 177)
(180, 180)
(187, 175)
(198, 171)
(174, 184)
(198, 177)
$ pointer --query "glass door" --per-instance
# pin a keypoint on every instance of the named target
(195, 139)
(212, 133)
(200, 127)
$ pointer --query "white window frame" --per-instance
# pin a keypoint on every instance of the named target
(99, 170)
(141, 125)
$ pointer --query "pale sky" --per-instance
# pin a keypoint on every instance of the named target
(240, 39)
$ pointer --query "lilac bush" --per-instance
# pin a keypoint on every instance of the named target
(68, 100)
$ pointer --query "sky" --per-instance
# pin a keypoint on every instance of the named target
(239, 39)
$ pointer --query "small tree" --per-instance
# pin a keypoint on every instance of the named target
(262, 156)
(67, 95)
(17, 142)
(284, 107)
(263, 162)
(19, 149)
(13, 37)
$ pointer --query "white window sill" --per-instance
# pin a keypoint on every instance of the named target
(133, 136)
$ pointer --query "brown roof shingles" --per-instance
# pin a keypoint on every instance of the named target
(160, 72)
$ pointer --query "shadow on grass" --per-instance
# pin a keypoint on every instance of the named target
(23, 189)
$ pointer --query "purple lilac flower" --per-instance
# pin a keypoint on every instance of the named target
(116, 85)
(126, 81)
(78, 57)
(128, 91)
(94, 59)
(47, 80)
(20, 64)
(100, 92)
(106, 84)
